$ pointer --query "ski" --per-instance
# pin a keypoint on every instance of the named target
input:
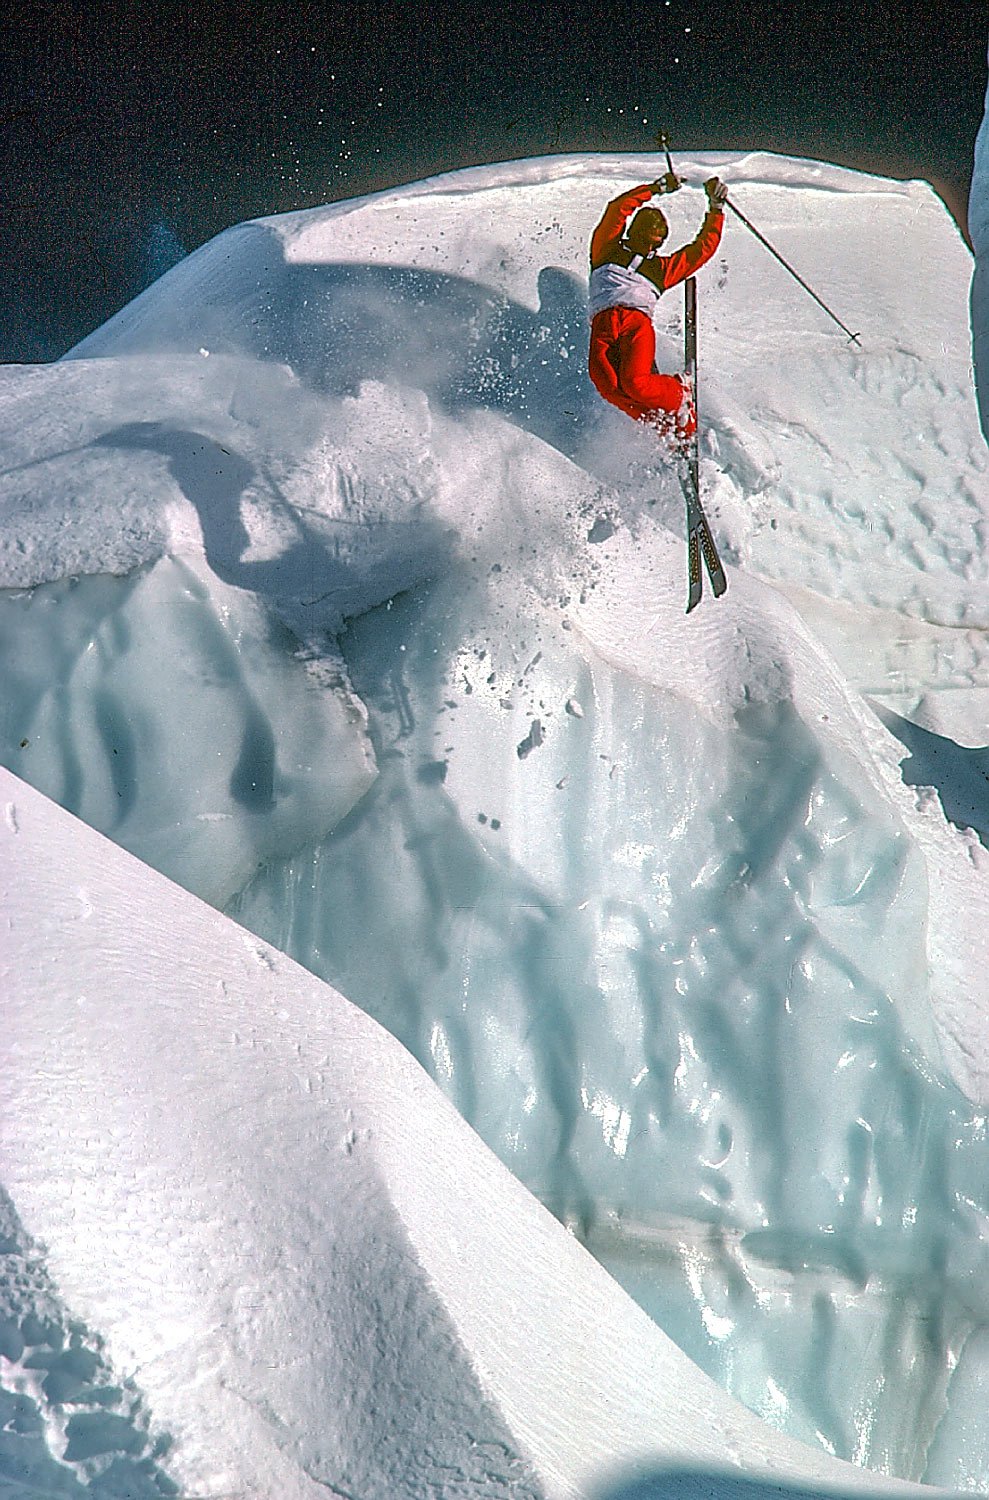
(700, 542)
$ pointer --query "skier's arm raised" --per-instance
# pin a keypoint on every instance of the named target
(665, 271)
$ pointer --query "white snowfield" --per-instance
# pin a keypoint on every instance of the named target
(320, 1277)
(334, 593)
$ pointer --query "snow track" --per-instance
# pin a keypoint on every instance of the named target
(68, 1425)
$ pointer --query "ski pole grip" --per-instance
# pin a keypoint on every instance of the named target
(664, 142)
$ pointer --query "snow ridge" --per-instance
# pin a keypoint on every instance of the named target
(413, 1324)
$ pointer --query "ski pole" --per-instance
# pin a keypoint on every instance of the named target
(663, 141)
(34, 463)
(786, 264)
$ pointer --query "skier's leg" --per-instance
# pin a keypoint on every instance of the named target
(637, 377)
(601, 361)
(599, 366)
(621, 360)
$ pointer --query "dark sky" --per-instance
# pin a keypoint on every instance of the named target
(130, 132)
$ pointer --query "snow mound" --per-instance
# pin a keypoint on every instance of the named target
(334, 593)
(852, 475)
(414, 1323)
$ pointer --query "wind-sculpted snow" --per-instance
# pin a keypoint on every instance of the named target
(319, 1278)
(393, 665)
(173, 714)
(67, 1427)
(646, 944)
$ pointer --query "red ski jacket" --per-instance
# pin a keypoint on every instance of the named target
(663, 271)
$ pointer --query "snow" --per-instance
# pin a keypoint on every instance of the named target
(412, 1322)
(335, 595)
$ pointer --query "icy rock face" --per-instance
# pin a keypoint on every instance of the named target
(670, 966)
(172, 713)
(978, 227)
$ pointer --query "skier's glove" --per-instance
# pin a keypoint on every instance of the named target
(717, 192)
(666, 184)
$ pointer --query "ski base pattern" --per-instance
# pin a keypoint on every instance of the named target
(700, 544)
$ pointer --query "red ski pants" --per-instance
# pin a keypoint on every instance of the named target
(621, 364)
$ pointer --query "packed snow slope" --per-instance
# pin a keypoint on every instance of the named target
(334, 593)
(319, 1278)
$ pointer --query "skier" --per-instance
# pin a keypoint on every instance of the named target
(627, 276)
